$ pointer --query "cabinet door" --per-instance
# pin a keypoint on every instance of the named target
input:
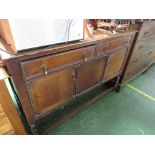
(51, 90)
(115, 63)
(90, 74)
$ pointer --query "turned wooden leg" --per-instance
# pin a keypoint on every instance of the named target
(117, 87)
(34, 130)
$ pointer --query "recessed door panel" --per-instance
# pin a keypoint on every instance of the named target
(90, 74)
(51, 90)
(115, 63)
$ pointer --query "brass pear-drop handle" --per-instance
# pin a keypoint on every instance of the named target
(74, 74)
(140, 47)
(150, 52)
(85, 55)
(125, 42)
(44, 66)
(145, 33)
(108, 62)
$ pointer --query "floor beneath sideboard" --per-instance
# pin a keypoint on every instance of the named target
(130, 112)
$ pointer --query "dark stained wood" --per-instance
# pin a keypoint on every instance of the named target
(130, 49)
(50, 91)
(115, 63)
(120, 42)
(113, 44)
(103, 48)
(56, 61)
(89, 74)
(46, 79)
(15, 71)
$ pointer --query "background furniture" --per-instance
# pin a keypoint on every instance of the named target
(143, 53)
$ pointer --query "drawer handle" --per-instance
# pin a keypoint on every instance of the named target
(107, 55)
(109, 64)
(85, 56)
(145, 33)
(44, 66)
(74, 74)
(141, 47)
(125, 42)
(150, 52)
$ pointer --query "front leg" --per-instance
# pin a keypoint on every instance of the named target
(34, 129)
(117, 86)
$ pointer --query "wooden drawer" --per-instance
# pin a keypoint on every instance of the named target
(120, 42)
(45, 64)
(143, 55)
(139, 55)
(147, 30)
(134, 70)
(113, 44)
(103, 48)
(138, 62)
(143, 52)
(144, 46)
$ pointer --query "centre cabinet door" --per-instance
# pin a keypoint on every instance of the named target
(90, 74)
(115, 63)
(51, 90)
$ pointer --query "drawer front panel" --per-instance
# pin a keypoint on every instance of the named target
(134, 70)
(120, 42)
(147, 30)
(113, 44)
(144, 53)
(135, 63)
(43, 65)
(103, 48)
(145, 46)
